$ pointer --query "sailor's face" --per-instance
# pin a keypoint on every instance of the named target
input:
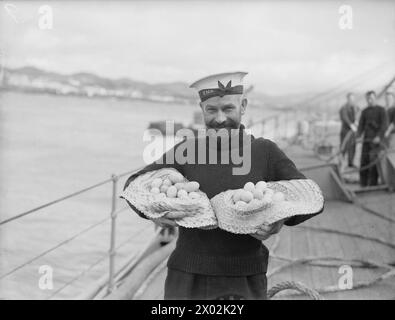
(371, 99)
(224, 112)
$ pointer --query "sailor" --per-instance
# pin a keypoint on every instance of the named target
(213, 263)
(372, 125)
(348, 117)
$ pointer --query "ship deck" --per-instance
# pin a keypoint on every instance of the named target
(363, 236)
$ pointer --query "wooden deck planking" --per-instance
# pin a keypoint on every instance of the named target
(332, 245)
(385, 204)
(356, 222)
(348, 247)
(353, 250)
(322, 276)
(283, 250)
(300, 249)
(369, 225)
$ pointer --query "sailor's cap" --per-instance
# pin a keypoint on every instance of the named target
(220, 84)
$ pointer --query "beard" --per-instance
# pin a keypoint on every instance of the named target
(228, 124)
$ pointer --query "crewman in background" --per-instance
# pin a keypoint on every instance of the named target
(372, 125)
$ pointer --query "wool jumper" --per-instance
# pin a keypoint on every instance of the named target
(217, 252)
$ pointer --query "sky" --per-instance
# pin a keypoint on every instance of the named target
(285, 46)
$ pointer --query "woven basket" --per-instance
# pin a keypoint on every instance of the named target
(155, 206)
(302, 197)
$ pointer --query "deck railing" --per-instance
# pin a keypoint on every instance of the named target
(113, 216)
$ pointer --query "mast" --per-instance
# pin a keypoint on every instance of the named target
(389, 84)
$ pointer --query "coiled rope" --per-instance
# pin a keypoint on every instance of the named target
(293, 285)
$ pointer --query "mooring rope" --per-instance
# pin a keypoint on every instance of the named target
(298, 286)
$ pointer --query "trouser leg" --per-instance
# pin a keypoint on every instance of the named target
(343, 134)
(364, 172)
(181, 285)
(373, 171)
(351, 150)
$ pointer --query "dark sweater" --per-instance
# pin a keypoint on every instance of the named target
(373, 122)
(218, 252)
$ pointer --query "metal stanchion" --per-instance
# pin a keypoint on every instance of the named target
(112, 251)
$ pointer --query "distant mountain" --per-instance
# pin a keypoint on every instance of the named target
(87, 84)
(32, 79)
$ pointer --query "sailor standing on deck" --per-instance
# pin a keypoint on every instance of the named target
(216, 264)
(348, 117)
(372, 125)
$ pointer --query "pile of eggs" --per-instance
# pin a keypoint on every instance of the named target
(256, 193)
(174, 187)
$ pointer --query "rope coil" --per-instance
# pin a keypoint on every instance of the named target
(292, 285)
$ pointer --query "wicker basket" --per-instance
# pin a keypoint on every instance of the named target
(302, 197)
(155, 206)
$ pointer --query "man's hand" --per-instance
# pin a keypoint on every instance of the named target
(168, 220)
(376, 140)
(266, 231)
(353, 127)
(164, 223)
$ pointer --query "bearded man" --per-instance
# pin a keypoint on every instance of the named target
(216, 264)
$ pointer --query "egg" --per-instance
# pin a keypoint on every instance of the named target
(167, 182)
(241, 204)
(163, 188)
(155, 190)
(267, 198)
(258, 194)
(156, 183)
(247, 196)
(180, 185)
(162, 195)
(171, 192)
(237, 195)
(192, 186)
(182, 194)
(194, 195)
(278, 196)
(261, 185)
(269, 191)
(176, 177)
(249, 186)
